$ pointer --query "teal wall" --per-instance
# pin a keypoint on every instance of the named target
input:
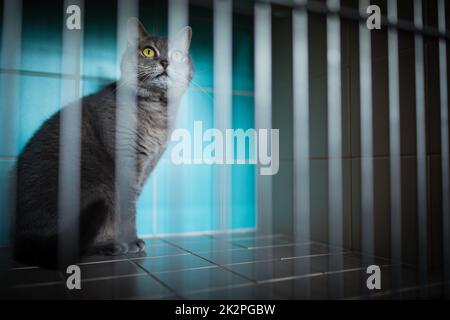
(192, 207)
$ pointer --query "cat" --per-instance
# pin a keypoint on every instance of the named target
(154, 72)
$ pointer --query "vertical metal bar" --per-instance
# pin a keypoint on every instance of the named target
(10, 55)
(10, 101)
(178, 18)
(263, 106)
(263, 117)
(223, 44)
(178, 11)
(394, 149)
(126, 117)
(335, 185)
(70, 138)
(365, 78)
(301, 139)
(223, 53)
(421, 149)
(444, 146)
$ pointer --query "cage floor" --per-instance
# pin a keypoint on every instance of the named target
(239, 266)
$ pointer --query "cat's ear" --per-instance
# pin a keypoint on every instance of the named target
(183, 38)
(135, 30)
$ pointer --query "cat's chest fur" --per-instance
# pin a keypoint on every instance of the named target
(152, 135)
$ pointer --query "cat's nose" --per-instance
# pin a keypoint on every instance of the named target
(164, 63)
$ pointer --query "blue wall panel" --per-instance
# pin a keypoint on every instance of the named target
(176, 199)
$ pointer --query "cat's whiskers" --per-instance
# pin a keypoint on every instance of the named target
(192, 82)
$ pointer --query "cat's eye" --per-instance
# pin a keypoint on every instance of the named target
(177, 56)
(148, 52)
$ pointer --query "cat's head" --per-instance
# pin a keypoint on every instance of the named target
(157, 66)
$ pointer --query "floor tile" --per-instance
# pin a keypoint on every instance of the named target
(109, 269)
(243, 292)
(261, 242)
(205, 245)
(49, 292)
(32, 277)
(219, 267)
(200, 279)
(289, 251)
(236, 256)
(261, 271)
(102, 258)
(121, 288)
(334, 262)
(172, 263)
(157, 247)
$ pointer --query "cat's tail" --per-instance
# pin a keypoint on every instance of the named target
(44, 251)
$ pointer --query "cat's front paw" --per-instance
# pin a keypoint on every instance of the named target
(136, 246)
(113, 248)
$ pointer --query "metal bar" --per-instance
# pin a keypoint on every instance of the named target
(301, 140)
(347, 13)
(335, 185)
(70, 139)
(126, 117)
(263, 106)
(421, 149)
(223, 44)
(367, 187)
(222, 55)
(395, 150)
(178, 18)
(263, 117)
(9, 109)
(10, 59)
(444, 146)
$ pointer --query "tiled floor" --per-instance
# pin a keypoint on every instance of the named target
(239, 266)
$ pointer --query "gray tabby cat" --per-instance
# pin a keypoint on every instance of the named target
(152, 71)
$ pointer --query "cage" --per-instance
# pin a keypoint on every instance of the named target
(336, 163)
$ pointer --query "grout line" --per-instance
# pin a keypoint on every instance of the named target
(403, 264)
(56, 75)
(100, 262)
(315, 274)
(309, 275)
(251, 262)
(182, 270)
(313, 256)
(53, 75)
(34, 285)
(157, 279)
(231, 241)
(248, 237)
(197, 233)
(122, 276)
(24, 268)
(212, 262)
(281, 245)
(131, 258)
(158, 257)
